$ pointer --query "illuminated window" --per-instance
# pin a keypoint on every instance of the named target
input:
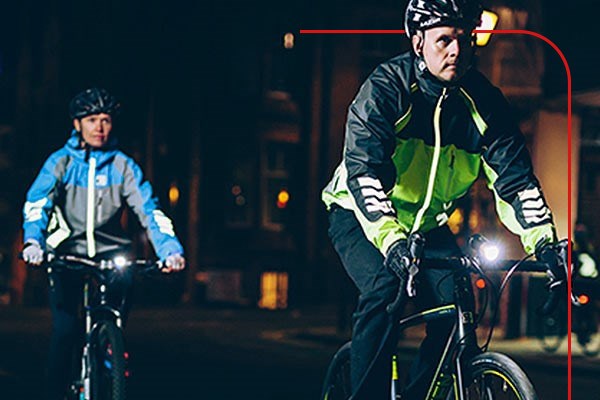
(273, 290)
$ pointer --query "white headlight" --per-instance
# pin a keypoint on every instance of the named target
(490, 251)
(120, 261)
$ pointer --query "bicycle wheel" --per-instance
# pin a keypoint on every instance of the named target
(551, 333)
(494, 376)
(107, 363)
(337, 385)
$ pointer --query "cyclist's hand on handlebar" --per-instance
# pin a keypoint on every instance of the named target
(32, 253)
(174, 263)
(398, 259)
(553, 255)
(403, 258)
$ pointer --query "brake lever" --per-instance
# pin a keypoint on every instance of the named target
(575, 300)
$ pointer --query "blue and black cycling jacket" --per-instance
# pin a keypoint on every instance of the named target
(414, 146)
(75, 203)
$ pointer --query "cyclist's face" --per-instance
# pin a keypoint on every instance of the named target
(95, 129)
(447, 51)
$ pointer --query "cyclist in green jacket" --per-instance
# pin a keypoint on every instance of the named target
(419, 131)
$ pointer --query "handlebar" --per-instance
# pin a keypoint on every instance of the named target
(119, 263)
(469, 263)
(473, 264)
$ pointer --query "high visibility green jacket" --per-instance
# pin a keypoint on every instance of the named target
(414, 146)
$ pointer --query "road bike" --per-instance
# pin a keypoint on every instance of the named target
(459, 374)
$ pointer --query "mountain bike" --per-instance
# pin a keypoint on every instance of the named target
(459, 374)
(101, 371)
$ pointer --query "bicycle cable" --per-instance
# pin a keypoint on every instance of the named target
(488, 292)
(509, 274)
(483, 308)
(485, 304)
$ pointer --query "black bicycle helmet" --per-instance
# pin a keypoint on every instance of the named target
(93, 101)
(425, 14)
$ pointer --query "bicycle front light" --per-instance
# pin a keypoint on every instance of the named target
(120, 262)
(485, 250)
(489, 251)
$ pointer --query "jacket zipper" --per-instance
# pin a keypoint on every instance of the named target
(91, 197)
(450, 172)
(434, 162)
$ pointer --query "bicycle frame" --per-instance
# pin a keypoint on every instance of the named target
(91, 324)
(463, 329)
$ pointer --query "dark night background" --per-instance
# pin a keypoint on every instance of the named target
(201, 68)
(207, 88)
(573, 28)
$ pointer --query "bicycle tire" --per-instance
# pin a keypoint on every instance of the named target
(487, 368)
(337, 384)
(108, 362)
(496, 376)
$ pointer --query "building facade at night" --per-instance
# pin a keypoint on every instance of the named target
(244, 117)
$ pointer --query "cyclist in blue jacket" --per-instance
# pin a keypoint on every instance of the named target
(74, 207)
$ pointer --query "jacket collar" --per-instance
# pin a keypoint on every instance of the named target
(430, 86)
(77, 150)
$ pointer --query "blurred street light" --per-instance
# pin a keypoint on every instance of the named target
(282, 198)
(173, 195)
(288, 40)
(489, 20)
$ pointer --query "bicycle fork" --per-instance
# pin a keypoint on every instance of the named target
(86, 364)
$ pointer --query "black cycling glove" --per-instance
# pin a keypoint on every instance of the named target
(550, 254)
(398, 259)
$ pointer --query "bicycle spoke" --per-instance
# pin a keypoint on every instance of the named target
(491, 386)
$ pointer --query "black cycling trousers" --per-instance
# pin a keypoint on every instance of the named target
(375, 332)
(66, 292)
